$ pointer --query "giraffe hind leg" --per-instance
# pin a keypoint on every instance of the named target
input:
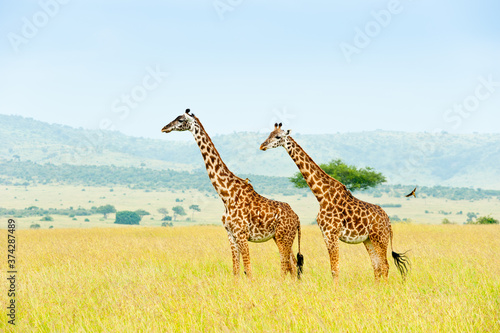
(378, 258)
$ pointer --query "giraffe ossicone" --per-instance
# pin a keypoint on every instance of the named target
(342, 216)
(248, 216)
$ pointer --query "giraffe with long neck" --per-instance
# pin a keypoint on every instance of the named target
(248, 216)
(341, 215)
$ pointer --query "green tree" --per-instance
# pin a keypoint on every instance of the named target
(470, 217)
(163, 211)
(178, 210)
(352, 177)
(105, 210)
(486, 220)
(446, 221)
(194, 208)
(127, 217)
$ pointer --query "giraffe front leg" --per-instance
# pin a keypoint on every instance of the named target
(242, 243)
(331, 230)
(235, 252)
(333, 251)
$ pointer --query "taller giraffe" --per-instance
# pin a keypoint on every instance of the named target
(341, 215)
(248, 216)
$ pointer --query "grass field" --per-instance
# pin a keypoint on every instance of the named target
(149, 279)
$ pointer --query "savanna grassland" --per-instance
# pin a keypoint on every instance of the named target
(154, 279)
(419, 210)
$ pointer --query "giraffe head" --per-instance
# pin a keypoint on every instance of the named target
(184, 122)
(277, 138)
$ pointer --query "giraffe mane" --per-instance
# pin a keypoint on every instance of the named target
(322, 172)
(212, 143)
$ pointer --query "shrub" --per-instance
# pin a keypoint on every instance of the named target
(446, 221)
(167, 224)
(166, 218)
(486, 220)
(127, 217)
(47, 218)
(87, 220)
(35, 226)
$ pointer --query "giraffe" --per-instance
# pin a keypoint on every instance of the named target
(248, 216)
(341, 215)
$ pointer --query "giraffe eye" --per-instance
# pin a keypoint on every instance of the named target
(181, 120)
(278, 137)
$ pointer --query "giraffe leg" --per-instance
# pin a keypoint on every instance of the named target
(285, 256)
(242, 244)
(284, 238)
(378, 256)
(332, 244)
(235, 252)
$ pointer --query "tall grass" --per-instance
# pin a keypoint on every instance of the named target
(180, 279)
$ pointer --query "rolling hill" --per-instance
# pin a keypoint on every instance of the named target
(445, 159)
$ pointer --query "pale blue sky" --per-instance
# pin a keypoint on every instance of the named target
(260, 62)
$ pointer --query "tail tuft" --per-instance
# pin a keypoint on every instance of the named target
(402, 262)
(300, 264)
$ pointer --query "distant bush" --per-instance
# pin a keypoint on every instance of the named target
(35, 226)
(166, 218)
(127, 217)
(484, 220)
(396, 219)
(390, 205)
(86, 220)
(167, 224)
(47, 218)
(446, 221)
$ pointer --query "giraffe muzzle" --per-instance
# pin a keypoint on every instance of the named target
(166, 129)
(262, 147)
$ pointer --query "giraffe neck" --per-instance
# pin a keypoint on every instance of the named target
(218, 172)
(320, 183)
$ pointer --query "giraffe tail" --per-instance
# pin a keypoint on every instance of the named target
(300, 257)
(401, 261)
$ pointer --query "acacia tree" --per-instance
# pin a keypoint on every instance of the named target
(352, 177)
(194, 208)
(178, 210)
(163, 211)
(105, 210)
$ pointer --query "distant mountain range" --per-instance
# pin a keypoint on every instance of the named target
(457, 160)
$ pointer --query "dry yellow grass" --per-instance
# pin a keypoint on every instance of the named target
(179, 279)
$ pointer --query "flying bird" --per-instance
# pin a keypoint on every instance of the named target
(412, 193)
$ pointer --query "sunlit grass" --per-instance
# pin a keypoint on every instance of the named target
(180, 279)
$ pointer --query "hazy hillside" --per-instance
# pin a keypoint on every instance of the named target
(405, 158)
